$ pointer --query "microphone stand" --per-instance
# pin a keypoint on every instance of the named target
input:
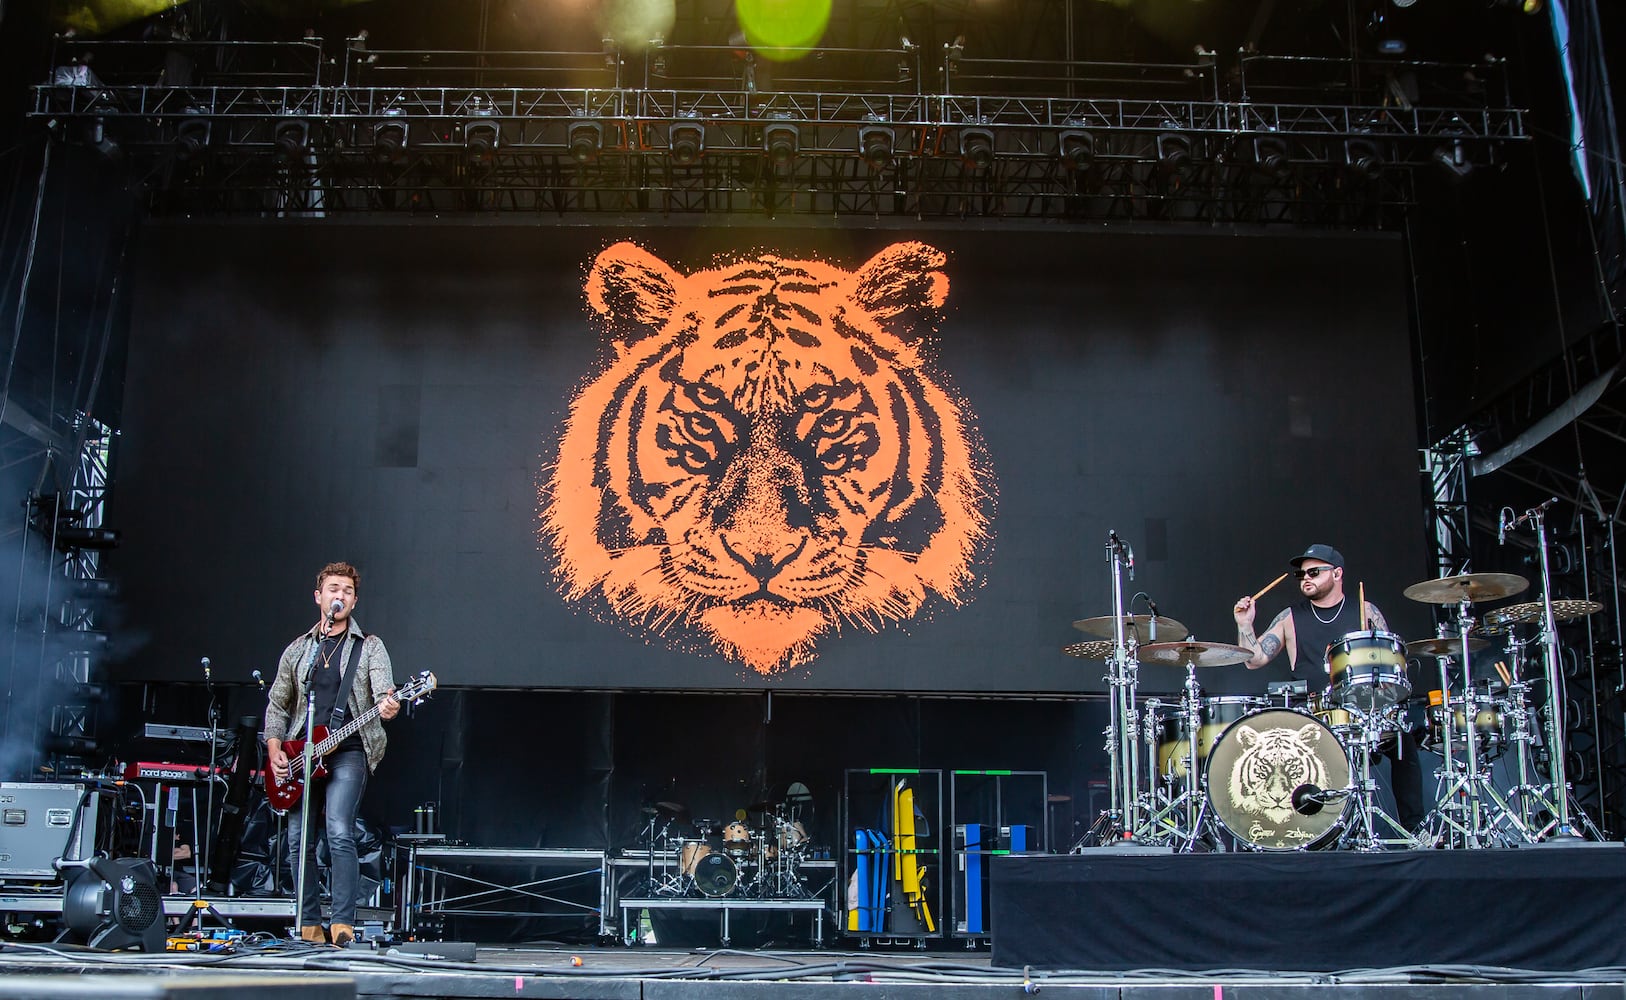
(306, 846)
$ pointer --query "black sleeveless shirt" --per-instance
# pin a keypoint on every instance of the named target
(1313, 636)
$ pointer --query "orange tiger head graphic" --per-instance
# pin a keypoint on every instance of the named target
(765, 456)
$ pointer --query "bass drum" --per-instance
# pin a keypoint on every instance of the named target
(716, 875)
(1257, 764)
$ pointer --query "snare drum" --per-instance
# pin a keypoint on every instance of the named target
(1256, 766)
(1368, 670)
(1325, 706)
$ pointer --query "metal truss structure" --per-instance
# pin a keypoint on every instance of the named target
(290, 128)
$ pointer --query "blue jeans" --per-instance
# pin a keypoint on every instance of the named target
(338, 797)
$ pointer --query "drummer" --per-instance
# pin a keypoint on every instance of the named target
(1306, 628)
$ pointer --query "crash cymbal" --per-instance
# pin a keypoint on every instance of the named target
(1445, 645)
(1530, 613)
(1095, 649)
(1195, 654)
(1475, 588)
(1139, 625)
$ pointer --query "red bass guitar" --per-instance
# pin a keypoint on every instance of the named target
(284, 795)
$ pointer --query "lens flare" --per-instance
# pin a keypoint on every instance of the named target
(636, 24)
(774, 27)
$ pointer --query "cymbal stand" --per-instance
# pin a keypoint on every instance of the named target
(1562, 826)
(1164, 818)
(1123, 678)
(1526, 795)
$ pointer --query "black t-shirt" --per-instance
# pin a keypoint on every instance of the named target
(1313, 635)
(326, 674)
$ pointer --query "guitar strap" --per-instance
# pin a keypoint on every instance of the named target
(341, 701)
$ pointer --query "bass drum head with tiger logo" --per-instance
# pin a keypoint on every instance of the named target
(1255, 766)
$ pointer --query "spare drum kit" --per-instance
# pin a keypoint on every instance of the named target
(756, 856)
(1292, 770)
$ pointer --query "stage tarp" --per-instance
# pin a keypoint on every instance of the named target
(1545, 908)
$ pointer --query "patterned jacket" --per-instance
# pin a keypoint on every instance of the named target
(285, 707)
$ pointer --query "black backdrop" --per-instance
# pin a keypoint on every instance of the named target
(385, 394)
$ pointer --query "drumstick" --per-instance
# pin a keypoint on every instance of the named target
(1362, 586)
(1507, 678)
(1270, 586)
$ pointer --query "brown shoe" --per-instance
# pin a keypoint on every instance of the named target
(312, 934)
(342, 934)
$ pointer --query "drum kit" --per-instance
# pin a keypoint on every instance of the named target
(1293, 770)
(758, 855)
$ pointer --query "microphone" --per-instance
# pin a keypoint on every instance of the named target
(1501, 526)
(1307, 800)
(207, 677)
(334, 609)
(1152, 626)
(1113, 541)
(258, 679)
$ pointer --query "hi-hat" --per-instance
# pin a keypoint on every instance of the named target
(1474, 588)
(1194, 654)
(1445, 645)
(1095, 649)
(1139, 625)
(1530, 613)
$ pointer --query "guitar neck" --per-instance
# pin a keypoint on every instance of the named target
(345, 731)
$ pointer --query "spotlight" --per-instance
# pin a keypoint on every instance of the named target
(113, 903)
(290, 136)
(1270, 156)
(781, 142)
(71, 746)
(70, 539)
(480, 142)
(191, 136)
(1173, 151)
(875, 144)
(977, 148)
(390, 139)
(1076, 148)
(586, 141)
(1362, 158)
(686, 141)
(1452, 161)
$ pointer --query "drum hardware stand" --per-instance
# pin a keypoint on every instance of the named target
(1362, 833)
(1124, 821)
(1465, 818)
(1561, 827)
(1190, 800)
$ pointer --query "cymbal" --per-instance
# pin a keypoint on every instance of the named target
(1526, 614)
(1474, 588)
(1445, 645)
(1195, 654)
(1140, 625)
(1095, 649)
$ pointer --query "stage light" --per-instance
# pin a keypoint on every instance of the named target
(290, 136)
(1362, 158)
(977, 148)
(686, 141)
(1453, 161)
(1173, 151)
(1076, 149)
(114, 903)
(781, 143)
(586, 141)
(875, 145)
(480, 142)
(390, 139)
(71, 746)
(70, 539)
(1270, 156)
(191, 136)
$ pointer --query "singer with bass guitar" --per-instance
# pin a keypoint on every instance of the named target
(335, 672)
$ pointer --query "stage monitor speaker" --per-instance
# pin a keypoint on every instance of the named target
(114, 903)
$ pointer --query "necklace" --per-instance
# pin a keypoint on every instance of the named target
(328, 651)
(1335, 612)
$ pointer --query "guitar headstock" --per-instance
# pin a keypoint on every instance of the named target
(416, 689)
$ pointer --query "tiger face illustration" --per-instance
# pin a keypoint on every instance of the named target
(766, 456)
(1272, 763)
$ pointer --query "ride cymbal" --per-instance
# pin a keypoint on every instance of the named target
(1475, 588)
(1528, 614)
(1138, 625)
(1445, 645)
(1194, 654)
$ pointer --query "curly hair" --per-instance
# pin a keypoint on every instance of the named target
(340, 569)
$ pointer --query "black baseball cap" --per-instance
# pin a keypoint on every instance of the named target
(1325, 553)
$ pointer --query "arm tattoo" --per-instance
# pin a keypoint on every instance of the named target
(1285, 612)
(1375, 617)
(1270, 646)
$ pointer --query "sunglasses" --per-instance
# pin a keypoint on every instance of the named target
(1312, 572)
